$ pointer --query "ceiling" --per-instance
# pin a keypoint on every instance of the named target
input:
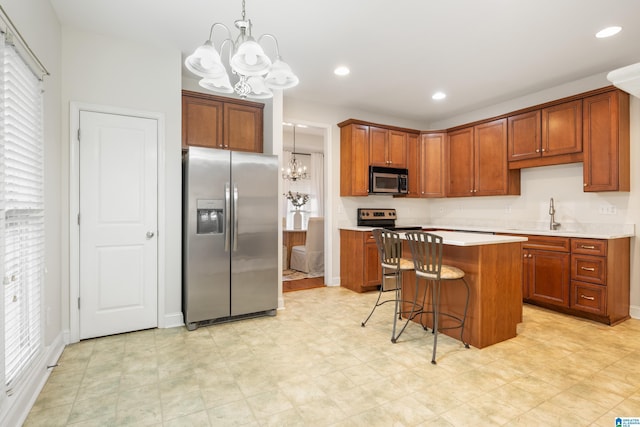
(400, 52)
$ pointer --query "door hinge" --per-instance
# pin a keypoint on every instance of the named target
(78, 303)
(78, 134)
(78, 219)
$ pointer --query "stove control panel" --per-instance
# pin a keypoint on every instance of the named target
(366, 214)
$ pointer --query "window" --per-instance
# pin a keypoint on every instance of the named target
(21, 211)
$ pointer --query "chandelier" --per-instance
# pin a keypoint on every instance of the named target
(257, 74)
(295, 170)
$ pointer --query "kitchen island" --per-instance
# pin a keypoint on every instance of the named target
(493, 270)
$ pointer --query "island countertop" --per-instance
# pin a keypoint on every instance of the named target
(460, 238)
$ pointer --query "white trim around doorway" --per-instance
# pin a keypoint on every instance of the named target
(74, 206)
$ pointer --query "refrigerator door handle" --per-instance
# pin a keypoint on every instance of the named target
(235, 217)
(227, 215)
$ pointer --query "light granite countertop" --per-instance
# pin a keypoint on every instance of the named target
(590, 231)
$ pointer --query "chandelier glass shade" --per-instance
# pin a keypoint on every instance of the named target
(257, 74)
(294, 170)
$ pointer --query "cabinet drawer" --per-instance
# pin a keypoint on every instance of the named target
(547, 243)
(589, 297)
(589, 247)
(588, 268)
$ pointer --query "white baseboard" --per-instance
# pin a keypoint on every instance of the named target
(173, 320)
(634, 311)
(15, 408)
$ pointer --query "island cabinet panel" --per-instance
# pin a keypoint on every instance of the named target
(495, 302)
(354, 160)
(360, 268)
(606, 142)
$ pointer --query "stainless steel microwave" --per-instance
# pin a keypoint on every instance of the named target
(384, 180)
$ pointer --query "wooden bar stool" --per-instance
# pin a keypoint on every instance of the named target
(426, 250)
(390, 250)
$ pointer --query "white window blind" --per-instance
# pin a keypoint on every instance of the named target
(22, 205)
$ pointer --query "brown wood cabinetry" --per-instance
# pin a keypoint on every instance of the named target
(546, 270)
(562, 129)
(387, 147)
(546, 136)
(432, 161)
(359, 261)
(606, 142)
(426, 164)
(584, 277)
(363, 144)
(224, 123)
(477, 161)
(354, 160)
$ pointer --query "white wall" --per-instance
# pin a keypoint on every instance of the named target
(563, 182)
(119, 73)
(39, 26)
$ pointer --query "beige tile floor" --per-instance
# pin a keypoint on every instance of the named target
(314, 365)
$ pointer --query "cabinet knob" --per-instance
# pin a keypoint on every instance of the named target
(585, 184)
(543, 150)
(537, 150)
(530, 256)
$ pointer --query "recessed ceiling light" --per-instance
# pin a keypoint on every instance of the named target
(438, 96)
(341, 71)
(608, 32)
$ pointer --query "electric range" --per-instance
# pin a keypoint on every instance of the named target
(381, 218)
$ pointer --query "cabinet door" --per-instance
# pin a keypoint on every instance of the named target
(491, 167)
(549, 275)
(201, 122)
(460, 163)
(378, 141)
(372, 269)
(242, 128)
(397, 149)
(354, 160)
(562, 129)
(432, 164)
(524, 136)
(606, 142)
(413, 165)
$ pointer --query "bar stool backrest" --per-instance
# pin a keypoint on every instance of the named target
(389, 248)
(426, 250)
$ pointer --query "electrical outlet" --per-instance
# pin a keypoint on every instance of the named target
(607, 210)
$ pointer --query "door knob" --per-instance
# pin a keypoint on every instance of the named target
(150, 234)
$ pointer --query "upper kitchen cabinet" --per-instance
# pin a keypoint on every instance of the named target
(224, 123)
(426, 164)
(354, 159)
(546, 136)
(363, 144)
(387, 147)
(562, 129)
(606, 142)
(477, 161)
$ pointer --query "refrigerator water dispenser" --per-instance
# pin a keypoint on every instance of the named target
(210, 216)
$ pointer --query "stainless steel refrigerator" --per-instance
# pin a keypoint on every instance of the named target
(230, 235)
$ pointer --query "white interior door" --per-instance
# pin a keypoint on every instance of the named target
(118, 288)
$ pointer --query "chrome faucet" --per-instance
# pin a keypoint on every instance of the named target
(553, 225)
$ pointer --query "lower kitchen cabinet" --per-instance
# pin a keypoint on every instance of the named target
(546, 270)
(584, 277)
(360, 268)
